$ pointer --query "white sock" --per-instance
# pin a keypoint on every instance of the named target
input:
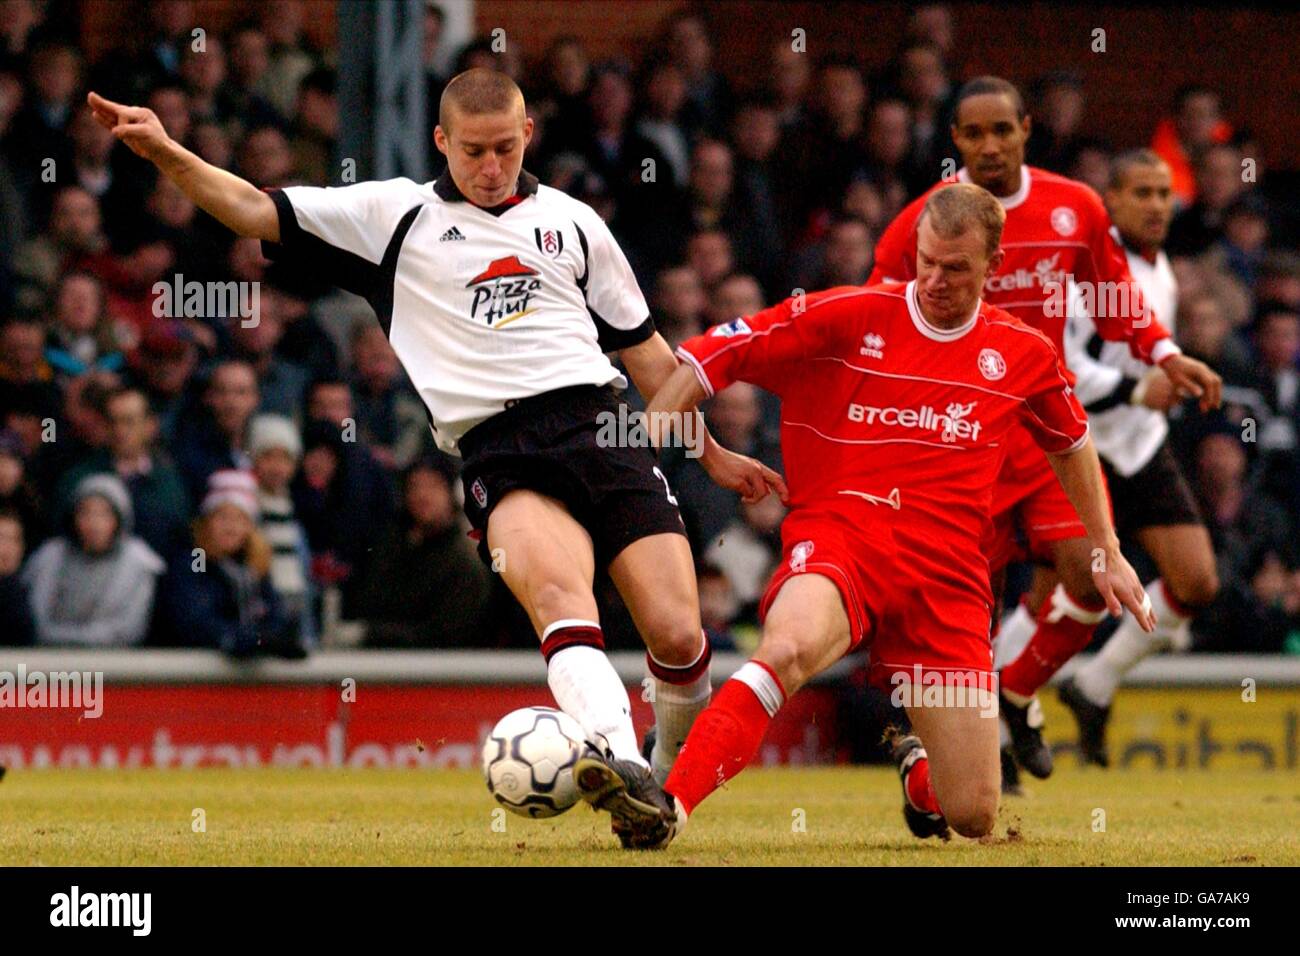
(589, 690)
(676, 706)
(1016, 630)
(1129, 645)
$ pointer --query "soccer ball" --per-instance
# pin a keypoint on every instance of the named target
(528, 761)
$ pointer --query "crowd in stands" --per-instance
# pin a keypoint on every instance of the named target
(205, 481)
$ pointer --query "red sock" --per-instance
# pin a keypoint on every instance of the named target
(920, 794)
(726, 736)
(1065, 627)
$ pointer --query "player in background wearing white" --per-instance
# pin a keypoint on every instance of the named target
(501, 297)
(1126, 403)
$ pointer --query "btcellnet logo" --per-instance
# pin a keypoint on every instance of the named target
(1044, 273)
(952, 426)
(73, 909)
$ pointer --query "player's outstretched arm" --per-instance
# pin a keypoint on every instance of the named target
(678, 395)
(235, 202)
(1079, 472)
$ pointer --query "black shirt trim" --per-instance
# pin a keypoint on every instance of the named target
(445, 189)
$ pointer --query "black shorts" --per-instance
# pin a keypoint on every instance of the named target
(547, 443)
(1154, 496)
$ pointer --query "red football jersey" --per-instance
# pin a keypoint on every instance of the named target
(1057, 231)
(885, 416)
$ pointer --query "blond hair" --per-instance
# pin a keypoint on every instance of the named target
(255, 555)
(953, 209)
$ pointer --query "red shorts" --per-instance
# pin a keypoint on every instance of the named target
(1028, 517)
(919, 603)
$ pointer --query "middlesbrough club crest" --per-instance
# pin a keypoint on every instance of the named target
(549, 241)
(991, 364)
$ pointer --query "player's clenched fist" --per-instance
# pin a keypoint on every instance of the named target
(135, 126)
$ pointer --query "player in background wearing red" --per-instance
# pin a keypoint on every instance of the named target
(897, 401)
(1057, 233)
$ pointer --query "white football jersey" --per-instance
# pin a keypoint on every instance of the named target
(482, 306)
(1126, 435)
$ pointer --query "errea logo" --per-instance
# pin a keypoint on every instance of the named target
(872, 346)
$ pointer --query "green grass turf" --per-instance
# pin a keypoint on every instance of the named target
(850, 815)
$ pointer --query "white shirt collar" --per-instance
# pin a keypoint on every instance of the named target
(1008, 202)
(928, 330)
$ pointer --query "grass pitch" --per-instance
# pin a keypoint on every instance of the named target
(787, 816)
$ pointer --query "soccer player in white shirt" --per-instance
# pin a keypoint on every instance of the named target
(1126, 403)
(501, 298)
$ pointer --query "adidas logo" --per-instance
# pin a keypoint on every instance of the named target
(452, 235)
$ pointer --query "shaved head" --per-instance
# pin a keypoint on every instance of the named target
(477, 92)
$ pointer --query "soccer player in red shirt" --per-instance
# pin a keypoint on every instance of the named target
(1057, 233)
(897, 402)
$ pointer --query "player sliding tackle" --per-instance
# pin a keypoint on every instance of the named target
(504, 335)
(891, 453)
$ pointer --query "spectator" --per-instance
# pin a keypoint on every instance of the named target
(214, 439)
(341, 495)
(16, 624)
(425, 586)
(291, 63)
(162, 368)
(250, 61)
(281, 385)
(1055, 140)
(25, 377)
(710, 256)
(17, 495)
(718, 607)
(94, 586)
(276, 450)
(1218, 183)
(733, 417)
(679, 304)
(221, 597)
(81, 339)
(1197, 124)
(1239, 254)
(843, 258)
(708, 96)
(315, 128)
(157, 493)
(747, 550)
(789, 80)
(73, 238)
(1277, 342)
(390, 417)
(664, 95)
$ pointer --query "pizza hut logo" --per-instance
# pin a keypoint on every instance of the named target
(550, 242)
(479, 492)
(1064, 221)
(992, 365)
(503, 292)
(799, 556)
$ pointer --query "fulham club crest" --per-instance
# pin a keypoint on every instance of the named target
(550, 242)
(992, 365)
